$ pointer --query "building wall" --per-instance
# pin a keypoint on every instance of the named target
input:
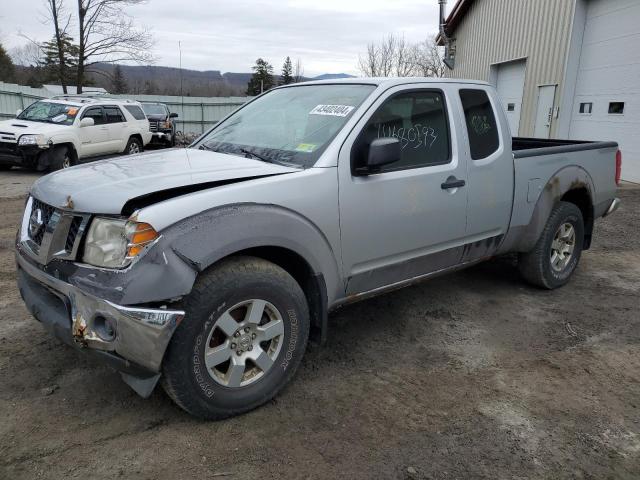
(496, 31)
(609, 71)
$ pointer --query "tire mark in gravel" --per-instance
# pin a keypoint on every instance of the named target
(152, 425)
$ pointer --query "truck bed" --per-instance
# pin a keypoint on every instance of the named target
(530, 147)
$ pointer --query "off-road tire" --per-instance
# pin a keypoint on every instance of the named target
(535, 266)
(61, 157)
(187, 380)
(130, 146)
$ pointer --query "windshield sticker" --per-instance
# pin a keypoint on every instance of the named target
(306, 147)
(333, 110)
(59, 118)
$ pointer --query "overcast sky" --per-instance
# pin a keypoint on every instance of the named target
(326, 35)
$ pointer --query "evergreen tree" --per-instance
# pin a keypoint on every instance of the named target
(51, 60)
(262, 79)
(119, 83)
(7, 70)
(287, 72)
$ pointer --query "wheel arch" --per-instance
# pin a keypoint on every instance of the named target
(270, 232)
(312, 283)
(137, 136)
(46, 158)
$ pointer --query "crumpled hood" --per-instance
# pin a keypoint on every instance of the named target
(106, 186)
(18, 127)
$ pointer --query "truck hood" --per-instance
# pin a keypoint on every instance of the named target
(18, 127)
(106, 186)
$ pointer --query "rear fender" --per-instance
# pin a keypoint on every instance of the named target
(524, 235)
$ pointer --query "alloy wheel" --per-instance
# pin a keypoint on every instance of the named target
(563, 246)
(244, 343)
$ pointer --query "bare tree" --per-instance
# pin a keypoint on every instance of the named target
(378, 60)
(28, 55)
(402, 58)
(428, 59)
(390, 57)
(394, 56)
(298, 72)
(55, 8)
(108, 35)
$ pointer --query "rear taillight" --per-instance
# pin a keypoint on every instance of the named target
(618, 166)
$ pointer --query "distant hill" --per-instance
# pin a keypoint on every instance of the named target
(166, 80)
(333, 76)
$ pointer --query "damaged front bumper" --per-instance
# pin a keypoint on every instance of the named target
(130, 339)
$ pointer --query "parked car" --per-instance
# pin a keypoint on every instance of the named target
(214, 264)
(63, 131)
(161, 123)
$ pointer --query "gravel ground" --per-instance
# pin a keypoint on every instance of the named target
(472, 375)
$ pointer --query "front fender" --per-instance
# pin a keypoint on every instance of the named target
(210, 236)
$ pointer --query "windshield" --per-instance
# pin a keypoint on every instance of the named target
(290, 125)
(50, 112)
(152, 109)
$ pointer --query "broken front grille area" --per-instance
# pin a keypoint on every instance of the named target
(46, 212)
(50, 232)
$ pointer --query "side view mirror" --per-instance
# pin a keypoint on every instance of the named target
(382, 151)
(173, 115)
(18, 112)
(87, 122)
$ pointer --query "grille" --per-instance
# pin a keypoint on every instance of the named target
(153, 126)
(47, 213)
(73, 233)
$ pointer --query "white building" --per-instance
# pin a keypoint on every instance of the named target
(564, 68)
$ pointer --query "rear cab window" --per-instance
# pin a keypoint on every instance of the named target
(482, 128)
(418, 119)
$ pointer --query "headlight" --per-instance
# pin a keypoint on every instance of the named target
(166, 124)
(32, 140)
(114, 243)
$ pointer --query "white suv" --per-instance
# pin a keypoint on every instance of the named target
(60, 132)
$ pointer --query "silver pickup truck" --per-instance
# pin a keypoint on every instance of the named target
(208, 268)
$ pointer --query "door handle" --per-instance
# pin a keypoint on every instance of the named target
(452, 183)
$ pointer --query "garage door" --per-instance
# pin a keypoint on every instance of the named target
(510, 85)
(607, 104)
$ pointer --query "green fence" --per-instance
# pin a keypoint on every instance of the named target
(195, 114)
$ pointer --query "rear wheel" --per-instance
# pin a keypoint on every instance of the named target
(133, 146)
(244, 334)
(556, 254)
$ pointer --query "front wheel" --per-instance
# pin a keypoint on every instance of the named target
(244, 334)
(62, 157)
(556, 254)
(133, 146)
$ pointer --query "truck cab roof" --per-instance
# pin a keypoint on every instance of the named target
(390, 82)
